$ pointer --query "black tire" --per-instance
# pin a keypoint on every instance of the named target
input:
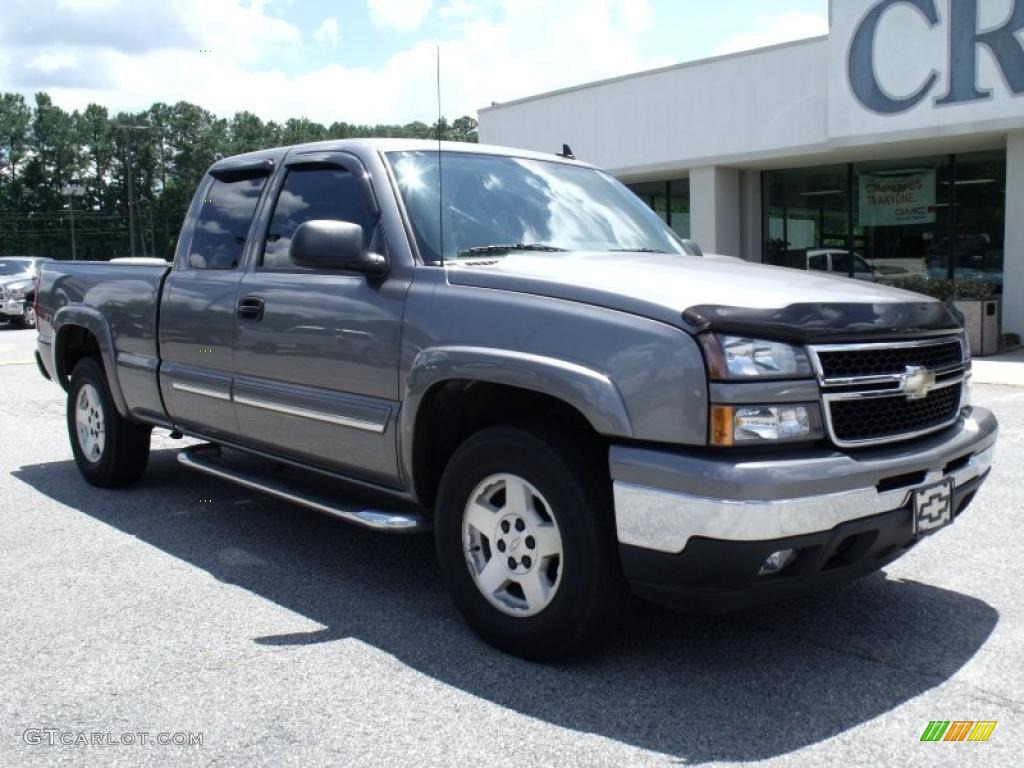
(573, 482)
(125, 448)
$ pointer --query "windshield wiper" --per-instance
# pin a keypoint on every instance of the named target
(508, 248)
(636, 250)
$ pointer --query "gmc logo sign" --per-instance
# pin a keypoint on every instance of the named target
(965, 38)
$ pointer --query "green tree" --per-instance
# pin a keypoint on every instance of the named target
(246, 132)
(147, 163)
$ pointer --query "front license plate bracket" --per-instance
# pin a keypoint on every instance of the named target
(933, 508)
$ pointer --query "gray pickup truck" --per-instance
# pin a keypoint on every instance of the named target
(511, 349)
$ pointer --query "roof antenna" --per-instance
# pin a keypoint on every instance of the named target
(440, 180)
(567, 152)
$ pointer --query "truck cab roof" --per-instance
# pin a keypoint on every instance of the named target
(267, 158)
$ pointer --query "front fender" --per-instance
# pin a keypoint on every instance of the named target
(590, 392)
(76, 315)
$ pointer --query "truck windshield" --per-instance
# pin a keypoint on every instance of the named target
(495, 205)
(15, 266)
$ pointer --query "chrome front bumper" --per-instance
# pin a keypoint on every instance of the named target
(662, 500)
(12, 307)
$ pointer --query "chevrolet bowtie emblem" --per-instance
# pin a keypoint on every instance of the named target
(916, 382)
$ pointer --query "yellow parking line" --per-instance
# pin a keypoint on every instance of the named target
(20, 362)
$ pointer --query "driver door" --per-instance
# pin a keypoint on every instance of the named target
(316, 350)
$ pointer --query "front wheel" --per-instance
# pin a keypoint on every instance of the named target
(526, 543)
(110, 450)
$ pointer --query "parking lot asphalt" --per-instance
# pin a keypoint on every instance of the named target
(279, 636)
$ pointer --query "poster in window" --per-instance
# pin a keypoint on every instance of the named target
(893, 198)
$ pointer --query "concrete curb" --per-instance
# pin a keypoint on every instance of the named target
(1006, 369)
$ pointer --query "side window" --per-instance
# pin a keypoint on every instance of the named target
(817, 261)
(223, 223)
(315, 193)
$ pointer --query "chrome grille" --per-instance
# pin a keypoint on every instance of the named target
(883, 392)
(846, 364)
(881, 417)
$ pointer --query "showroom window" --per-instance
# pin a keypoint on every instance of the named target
(670, 200)
(939, 216)
(902, 215)
(806, 211)
(979, 193)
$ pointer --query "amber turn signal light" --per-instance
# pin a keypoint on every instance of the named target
(722, 425)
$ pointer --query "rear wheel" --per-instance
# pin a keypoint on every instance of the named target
(110, 450)
(526, 542)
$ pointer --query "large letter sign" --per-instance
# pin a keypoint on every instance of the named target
(965, 38)
(864, 79)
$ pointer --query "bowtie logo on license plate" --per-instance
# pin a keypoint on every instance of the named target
(933, 507)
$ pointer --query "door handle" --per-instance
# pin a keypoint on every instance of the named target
(250, 308)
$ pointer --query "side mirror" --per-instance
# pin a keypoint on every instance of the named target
(327, 244)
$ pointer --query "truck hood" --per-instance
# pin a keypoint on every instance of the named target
(6, 280)
(714, 292)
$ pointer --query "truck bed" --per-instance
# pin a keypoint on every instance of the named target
(119, 304)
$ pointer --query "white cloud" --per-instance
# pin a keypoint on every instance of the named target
(52, 62)
(402, 15)
(515, 48)
(327, 32)
(793, 25)
(459, 9)
(235, 30)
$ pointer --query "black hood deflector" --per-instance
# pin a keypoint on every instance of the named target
(817, 323)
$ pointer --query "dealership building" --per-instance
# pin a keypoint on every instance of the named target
(899, 135)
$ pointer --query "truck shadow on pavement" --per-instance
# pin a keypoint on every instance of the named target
(743, 687)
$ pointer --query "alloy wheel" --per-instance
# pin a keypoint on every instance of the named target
(89, 425)
(513, 545)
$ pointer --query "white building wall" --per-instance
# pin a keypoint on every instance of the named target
(1013, 250)
(718, 111)
(907, 52)
(789, 102)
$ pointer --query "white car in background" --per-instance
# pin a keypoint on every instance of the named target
(838, 262)
(18, 287)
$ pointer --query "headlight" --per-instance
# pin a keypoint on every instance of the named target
(737, 357)
(738, 424)
(17, 291)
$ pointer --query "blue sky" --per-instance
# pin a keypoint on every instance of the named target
(364, 60)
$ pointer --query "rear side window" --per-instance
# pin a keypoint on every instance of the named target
(223, 223)
(316, 193)
(817, 262)
(840, 263)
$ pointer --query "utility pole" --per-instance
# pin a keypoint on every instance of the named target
(131, 202)
(152, 227)
(72, 190)
(131, 179)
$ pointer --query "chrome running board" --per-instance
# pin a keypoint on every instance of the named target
(204, 458)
